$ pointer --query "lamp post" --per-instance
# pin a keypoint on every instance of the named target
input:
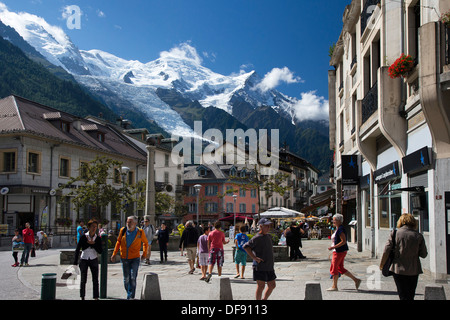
(197, 191)
(150, 188)
(124, 173)
(234, 209)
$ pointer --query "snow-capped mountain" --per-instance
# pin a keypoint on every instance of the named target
(132, 85)
(136, 82)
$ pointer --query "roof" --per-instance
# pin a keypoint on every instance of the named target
(213, 171)
(22, 116)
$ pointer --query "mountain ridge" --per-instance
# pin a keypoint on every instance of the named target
(172, 90)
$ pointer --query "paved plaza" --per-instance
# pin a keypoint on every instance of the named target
(177, 284)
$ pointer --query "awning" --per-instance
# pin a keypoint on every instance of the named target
(280, 212)
(238, 218)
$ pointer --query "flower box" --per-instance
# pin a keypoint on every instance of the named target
(401, 67)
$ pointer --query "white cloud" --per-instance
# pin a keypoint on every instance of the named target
(22, 21)
(184, 51)
(311, 107)
(101, 14)
(275, 77)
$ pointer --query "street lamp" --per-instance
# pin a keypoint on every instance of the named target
(197, 188)
(124, 173)
(234, 218)
(150, 187)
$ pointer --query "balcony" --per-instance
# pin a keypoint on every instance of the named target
(367, 13)
(369, 103)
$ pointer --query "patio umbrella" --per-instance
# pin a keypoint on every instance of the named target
(280, 212)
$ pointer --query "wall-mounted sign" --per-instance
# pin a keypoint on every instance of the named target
(389, 172)
(416, 161)
(349, 166)
(4, 191)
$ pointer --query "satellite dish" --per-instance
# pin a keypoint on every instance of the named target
(52, 192)
(4, 191)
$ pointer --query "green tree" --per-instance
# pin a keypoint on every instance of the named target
(94, 187)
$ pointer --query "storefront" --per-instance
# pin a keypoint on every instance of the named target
(387, 180)
(416, 166)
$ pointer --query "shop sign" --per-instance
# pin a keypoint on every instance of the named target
(389, 172)
(349, 166)
(416, 161)
(364, 181)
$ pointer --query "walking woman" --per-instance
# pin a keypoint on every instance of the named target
(409, 246)
(340, 248)
(91, 244)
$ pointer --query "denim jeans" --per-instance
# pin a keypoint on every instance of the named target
(130, 269)
(26, 253)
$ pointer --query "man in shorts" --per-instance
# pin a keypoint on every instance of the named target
(216, 240)
(260, 250)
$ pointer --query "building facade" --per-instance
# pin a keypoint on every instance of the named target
(42, 148)
(391, 136)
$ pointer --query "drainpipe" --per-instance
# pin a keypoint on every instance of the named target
(52, 147)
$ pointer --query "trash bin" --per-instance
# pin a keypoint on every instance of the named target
(48, 288)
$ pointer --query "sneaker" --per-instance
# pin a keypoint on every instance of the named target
(15, 264)
(332, 289)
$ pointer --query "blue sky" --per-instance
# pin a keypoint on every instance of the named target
(229, 35)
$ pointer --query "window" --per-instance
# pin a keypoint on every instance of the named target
(8, 161)
(63, 207)
(230, 208)
(33, 162)
(192, 207)
(211, 190)
(166, 177)
(242, 192)
(166, 160)
(242, 208)
(253, 193)
(253, 208)
(84, 170)
(211, 207)
(65, 126)
(101, 136)
(64, 167)
(130, 178)
(179, 180)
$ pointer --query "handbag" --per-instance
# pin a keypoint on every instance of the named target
(33, 252)
(387, 265)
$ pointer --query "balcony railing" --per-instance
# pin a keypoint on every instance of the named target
(367, 13)
(370, 103)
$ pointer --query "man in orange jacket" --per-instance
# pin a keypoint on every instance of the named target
(129, 243)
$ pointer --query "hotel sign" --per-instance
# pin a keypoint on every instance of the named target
(389, 172)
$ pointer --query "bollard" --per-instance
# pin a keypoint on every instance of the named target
(104, 267)
(150, 288)
(313, 291)
(434, 292)
(48, 287)
(221, 289)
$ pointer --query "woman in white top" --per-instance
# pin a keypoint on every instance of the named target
(91, 244)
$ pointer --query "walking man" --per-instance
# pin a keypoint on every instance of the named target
(260, 250)
(189, 240)
(129, 243)
(149, 230)
(216, 240)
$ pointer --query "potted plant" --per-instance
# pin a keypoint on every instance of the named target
(401, 67)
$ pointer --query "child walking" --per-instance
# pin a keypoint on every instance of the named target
(240, 257)
(203, 252)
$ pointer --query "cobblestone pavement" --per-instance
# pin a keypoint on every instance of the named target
(177, 284)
